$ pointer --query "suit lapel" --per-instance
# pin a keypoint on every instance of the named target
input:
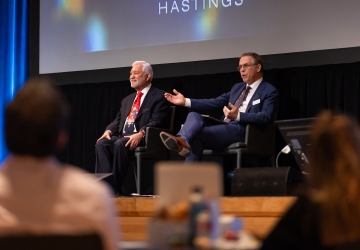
(256, 95)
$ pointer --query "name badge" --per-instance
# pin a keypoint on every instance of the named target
(256, 102)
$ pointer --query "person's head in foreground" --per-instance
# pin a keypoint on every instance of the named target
(35, 121)
(34, 186)
(334, 177)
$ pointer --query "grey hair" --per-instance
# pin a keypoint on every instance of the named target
(146, 68)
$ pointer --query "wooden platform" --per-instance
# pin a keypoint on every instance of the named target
(259, 214)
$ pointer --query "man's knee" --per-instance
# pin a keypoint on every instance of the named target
(193, 115)
(101, 144)
(120, 143)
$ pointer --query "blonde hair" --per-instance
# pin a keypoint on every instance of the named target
(335, 177)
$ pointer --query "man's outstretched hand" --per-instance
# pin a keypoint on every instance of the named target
(177, 99)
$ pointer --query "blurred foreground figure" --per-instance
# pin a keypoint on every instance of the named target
(39, 195)
(327, 215)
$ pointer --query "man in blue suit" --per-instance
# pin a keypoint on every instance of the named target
(145, 108)
(253, 101)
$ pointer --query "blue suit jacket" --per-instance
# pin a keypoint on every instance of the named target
(262, 113)
(152, 112)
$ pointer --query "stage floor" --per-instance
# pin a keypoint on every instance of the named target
(259, 214)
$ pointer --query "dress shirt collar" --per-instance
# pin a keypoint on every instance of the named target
(146, 89)
(255, 85)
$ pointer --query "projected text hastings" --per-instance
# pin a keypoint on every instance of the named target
(166, 7)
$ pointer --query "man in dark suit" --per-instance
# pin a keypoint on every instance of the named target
(145, 108)
(253, 101)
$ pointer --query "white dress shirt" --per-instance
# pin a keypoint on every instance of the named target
(242, 109)
(144, 91)
(42, 196)
(253, 86)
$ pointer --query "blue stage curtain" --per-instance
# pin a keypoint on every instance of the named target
(13, 55)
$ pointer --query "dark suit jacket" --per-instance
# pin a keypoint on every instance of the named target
(262, 112)
(299, 229)
(152, 112)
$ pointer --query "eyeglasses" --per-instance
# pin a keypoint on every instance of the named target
(245, 66)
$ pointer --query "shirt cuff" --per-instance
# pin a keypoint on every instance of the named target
(109, 131)
(187, 103)
(238, 117)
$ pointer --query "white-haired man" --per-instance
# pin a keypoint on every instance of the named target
(147, 107)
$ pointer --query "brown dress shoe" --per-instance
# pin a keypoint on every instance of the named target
(175, 143)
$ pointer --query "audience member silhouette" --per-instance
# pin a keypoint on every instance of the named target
(38, 194)
(327, 214)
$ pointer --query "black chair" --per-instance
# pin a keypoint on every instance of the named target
(53, 242)
(259, 142)
(154, 148)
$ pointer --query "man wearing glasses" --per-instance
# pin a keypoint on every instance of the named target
(252, 101)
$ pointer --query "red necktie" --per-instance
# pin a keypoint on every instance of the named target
(135, 107)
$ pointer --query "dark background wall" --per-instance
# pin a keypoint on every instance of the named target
(304, 91)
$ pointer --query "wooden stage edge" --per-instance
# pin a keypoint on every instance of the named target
(259, 214)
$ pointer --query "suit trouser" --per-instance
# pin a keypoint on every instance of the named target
(201, 133)
(113, 157)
